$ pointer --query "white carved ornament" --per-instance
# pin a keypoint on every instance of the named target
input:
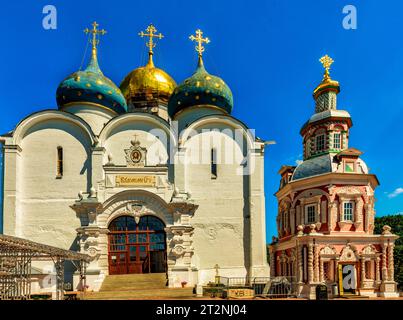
(328, 251)
(348, 254)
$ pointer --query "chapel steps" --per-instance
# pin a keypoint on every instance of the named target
(138, 286)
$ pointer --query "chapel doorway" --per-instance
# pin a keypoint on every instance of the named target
(137, 247)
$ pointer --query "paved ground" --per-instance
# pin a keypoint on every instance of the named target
(153, 287)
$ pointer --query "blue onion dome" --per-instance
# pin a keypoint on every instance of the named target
(90, 86)
(201, 88)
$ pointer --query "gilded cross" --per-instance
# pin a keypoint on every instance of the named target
(95, 32)
(200, 40)
(151, 33)
(326, 62)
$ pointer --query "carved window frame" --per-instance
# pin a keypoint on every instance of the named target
(307, 207)
(353, 213)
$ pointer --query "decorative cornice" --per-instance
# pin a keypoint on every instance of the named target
(335, 178)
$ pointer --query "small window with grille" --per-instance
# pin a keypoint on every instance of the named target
(337, 140)
(348, 211)
(310, 213)
(320, 143)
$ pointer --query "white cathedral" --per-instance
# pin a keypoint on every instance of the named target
(151, 177)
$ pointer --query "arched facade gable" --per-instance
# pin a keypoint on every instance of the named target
(310, 193)
(134, 118)
(50, 115)
(225, 120)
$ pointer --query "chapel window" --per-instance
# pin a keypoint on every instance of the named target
(348, 211)
(310, 214)
(349, 166)
(213, 164)
(320, 143)
(59, 164)
(337, 140)
(326, 270)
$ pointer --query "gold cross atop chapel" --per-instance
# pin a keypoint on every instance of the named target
(95, 32)
(200, 40)
(326, 62)
(151, 33)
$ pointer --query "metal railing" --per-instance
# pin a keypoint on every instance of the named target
(278, 287)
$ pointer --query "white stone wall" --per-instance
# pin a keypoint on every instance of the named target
(44, 212)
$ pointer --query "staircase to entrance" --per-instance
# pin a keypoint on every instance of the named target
(138, 286)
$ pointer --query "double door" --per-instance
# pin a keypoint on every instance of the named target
(140, 250)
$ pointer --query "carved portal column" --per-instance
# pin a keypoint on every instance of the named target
(310, 263)
(180, 243)
(391, 267)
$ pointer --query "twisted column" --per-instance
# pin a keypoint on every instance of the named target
(391, 267)
(384, 268)
(316, 266)
(321, 271)
(310, 263)
(300, 265)
(377, 270)
(362, 272)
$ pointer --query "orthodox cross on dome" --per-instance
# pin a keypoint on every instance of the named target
(151, 33)
(95, 32)
(200, 40)
(326, 61)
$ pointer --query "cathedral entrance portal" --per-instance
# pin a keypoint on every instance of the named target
(137, 247)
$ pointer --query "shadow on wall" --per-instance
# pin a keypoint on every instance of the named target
(69, 268)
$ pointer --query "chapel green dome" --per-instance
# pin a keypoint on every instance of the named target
(90, 86)
(201, 88)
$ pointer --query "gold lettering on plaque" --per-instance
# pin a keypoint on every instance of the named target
(135, 181)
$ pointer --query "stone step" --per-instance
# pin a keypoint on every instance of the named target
(129, 282)
(149, 294)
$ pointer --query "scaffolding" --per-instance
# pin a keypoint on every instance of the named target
(16, 256)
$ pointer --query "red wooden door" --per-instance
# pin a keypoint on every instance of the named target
(137, 248)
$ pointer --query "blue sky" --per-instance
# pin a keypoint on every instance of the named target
(266, 51)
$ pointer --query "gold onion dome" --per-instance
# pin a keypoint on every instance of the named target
(148, 83)
(201, 88)
(90, 86)
(327, 83)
